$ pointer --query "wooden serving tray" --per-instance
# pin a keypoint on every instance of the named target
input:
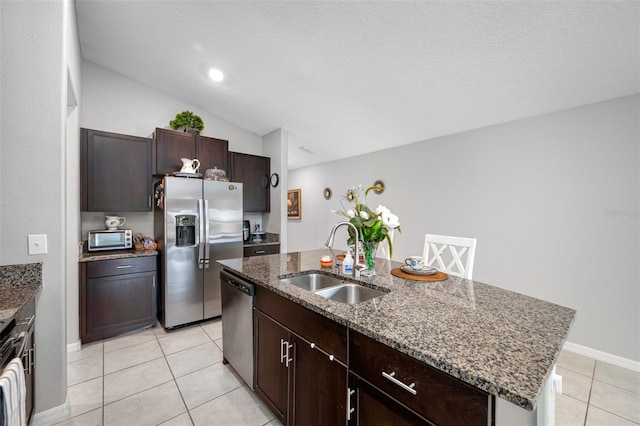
(438, 276)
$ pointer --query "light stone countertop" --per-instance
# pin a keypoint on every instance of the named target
(85, 256)
(18, 285)
(502, 342)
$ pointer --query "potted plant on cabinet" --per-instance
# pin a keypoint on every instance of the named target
(187, 122)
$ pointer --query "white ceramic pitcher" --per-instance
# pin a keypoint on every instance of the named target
(189, 165)
(114, 222)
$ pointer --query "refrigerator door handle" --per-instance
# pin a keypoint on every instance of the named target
(201, 242)
(205, 260)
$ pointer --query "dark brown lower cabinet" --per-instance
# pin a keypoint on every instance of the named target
(271, 373)
(117, 296)
(370, 406)
(319, 383)
(431, 394)
(311, 370)
(298, 380)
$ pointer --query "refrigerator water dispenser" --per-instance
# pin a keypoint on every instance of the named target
(185, 230)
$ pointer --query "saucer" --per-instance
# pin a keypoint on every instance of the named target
(426, 270)
(185, 174)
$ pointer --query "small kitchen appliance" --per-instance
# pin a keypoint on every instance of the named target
(110, 239)
(246, 230)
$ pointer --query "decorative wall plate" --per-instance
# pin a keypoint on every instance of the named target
(378, 183)
(327, 193)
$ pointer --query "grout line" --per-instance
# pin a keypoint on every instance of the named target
(593, 375)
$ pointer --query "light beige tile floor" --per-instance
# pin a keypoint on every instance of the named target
(595, 393)
(155, 377)
(176, 378)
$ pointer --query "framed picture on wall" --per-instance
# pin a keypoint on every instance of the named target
(294, 204)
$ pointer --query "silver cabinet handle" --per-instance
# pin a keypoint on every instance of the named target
(260, 251)
(124, 266)
(393, 380)
(349, 409)
(282, 357)
(288, 360)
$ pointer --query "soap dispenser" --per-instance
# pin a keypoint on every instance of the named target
(347, 263)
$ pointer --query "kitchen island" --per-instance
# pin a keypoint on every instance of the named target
(503, 343)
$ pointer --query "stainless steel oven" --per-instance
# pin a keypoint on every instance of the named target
(16, 340)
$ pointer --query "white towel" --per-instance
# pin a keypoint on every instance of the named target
(14, 392)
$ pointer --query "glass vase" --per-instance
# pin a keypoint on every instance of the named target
(370, 249)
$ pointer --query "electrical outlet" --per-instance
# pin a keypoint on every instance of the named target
(37, 244)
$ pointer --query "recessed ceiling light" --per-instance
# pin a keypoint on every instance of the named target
(215, 74)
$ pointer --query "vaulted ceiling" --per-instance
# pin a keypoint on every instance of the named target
(347, 77)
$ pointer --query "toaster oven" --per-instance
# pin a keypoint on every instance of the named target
(110, 239)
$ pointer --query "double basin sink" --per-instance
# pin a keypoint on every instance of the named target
(333, 288)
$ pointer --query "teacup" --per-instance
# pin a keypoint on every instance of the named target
(114, 222)
(416, 262)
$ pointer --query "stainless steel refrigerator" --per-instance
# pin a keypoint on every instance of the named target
(196, 222)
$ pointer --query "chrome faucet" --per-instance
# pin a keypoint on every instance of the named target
(356, 265)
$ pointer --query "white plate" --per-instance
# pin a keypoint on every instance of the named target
(427, 270)
(184, 174)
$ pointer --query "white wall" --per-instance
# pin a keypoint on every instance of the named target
(553, 201)
(276, 146)
(37, 51)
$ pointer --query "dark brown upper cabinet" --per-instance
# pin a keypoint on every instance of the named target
(172, 145)
(253, 171)
(115, 172)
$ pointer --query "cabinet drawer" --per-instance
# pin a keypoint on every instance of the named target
(261, 250)
(441, 398)
(328, 335)
(128, 265)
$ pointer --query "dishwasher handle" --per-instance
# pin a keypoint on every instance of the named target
(238, 283)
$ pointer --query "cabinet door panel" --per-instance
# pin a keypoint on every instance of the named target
(169, 147)
(320, 387)
(212, 152)
(261, 250)
(372, 407)
(253, 171)
(271, 375)
(439, 397)
(116, 304)
(116, 172)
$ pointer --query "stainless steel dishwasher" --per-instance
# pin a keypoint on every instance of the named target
(237, 324)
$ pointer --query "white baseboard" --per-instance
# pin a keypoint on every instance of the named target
(616, 360)
(53, 415)
(74, 347)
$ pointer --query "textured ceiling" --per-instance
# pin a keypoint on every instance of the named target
(353, 77)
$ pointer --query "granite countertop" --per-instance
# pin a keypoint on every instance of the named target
(18, 285)
(502, 342)
(85, 256)
(270, 239)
